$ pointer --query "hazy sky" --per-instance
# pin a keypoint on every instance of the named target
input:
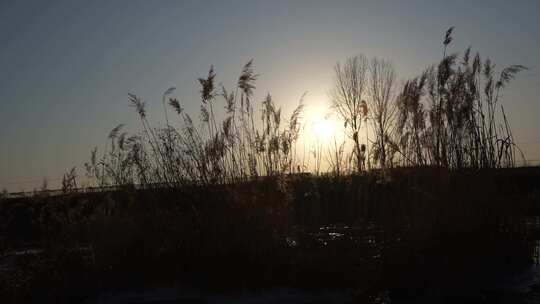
(66, 66)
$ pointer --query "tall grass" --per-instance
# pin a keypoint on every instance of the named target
(452, 116)
(239, 147)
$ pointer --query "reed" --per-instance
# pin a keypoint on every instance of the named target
(237, 148)
(452, 115)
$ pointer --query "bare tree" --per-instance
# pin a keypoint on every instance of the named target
(350, 83)
(382, 107)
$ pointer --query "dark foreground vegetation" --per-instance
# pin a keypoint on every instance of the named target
(415, 234)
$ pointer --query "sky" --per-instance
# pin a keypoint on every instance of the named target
(66, 67)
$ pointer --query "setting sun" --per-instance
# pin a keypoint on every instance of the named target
(323, 128)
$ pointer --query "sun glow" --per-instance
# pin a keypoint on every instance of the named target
(323, 129)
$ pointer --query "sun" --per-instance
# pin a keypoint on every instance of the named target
(323, 128)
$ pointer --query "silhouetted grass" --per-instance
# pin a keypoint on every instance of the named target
(452, 115)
